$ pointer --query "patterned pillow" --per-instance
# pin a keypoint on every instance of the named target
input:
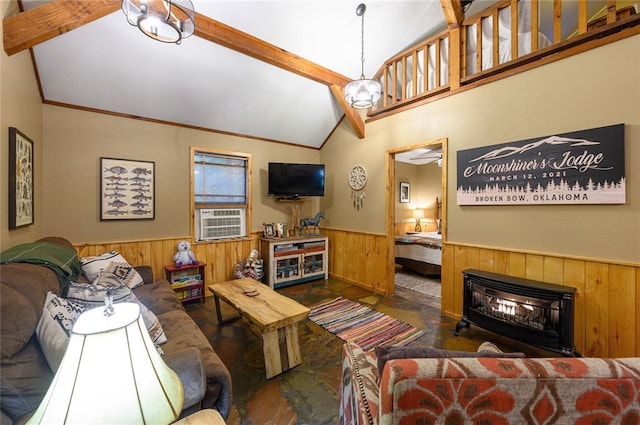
(386, 353)
(91, 295)
(54, 328)
(112, 262)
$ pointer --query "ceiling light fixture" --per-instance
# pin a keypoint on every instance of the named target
(362, 93)
(168, 21)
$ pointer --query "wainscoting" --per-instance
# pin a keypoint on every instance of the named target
(607, 317)
(220, 257)
(607, 304)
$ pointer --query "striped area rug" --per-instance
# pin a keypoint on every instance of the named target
(362, 325)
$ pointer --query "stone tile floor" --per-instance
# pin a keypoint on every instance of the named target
(308, 393)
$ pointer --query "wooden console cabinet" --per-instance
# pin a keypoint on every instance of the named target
(294, 260)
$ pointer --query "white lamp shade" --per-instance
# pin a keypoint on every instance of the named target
(111, 373)
(362, 93)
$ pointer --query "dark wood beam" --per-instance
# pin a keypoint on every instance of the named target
(35, 26)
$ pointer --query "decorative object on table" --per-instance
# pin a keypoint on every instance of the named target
(357, 181)
(418, 214)
(314, 222)
(20, 179)
(269, 230)
(111, 357)
(282, 230)
(127, 189)
(405, 192)
(184, 256)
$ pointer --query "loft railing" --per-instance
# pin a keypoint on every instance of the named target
(507, 35)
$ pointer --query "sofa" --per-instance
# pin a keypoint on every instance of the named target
(25, 371)
(452, 387)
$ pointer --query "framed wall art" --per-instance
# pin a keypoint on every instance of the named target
(20, 179)
(127, 189)
(405, 192)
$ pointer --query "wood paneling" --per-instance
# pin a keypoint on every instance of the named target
(607, 322)
(220, 257)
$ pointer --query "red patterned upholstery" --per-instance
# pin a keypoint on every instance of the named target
(490, 390)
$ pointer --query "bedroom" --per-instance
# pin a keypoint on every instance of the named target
(418, 208)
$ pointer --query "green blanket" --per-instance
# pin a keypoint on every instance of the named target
(61, 259)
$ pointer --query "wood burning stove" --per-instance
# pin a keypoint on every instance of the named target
(538, 313)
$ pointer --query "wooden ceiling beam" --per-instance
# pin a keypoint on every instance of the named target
(35, 26)
(453, 13)
(352, 114)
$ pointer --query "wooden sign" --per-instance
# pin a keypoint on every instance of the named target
(583, 167)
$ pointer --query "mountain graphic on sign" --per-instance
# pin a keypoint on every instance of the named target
(551, 140)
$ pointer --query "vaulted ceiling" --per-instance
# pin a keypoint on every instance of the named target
(271, 70)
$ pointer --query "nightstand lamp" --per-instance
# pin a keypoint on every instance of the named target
(418, 214)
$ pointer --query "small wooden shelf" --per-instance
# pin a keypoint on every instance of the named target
(187, 281)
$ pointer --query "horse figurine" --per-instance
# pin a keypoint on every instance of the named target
(315, 222)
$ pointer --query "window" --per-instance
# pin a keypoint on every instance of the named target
(220, 184)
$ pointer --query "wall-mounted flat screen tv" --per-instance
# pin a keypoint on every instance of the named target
(291, 180)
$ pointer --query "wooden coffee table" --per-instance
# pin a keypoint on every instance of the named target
(273, 316)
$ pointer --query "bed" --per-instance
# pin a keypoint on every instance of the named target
(420, 252)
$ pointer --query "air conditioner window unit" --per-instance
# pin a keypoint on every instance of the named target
(221, 223)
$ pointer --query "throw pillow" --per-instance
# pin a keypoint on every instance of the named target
(54, 328)
(386, 353)
(112, 262)
(91, 295)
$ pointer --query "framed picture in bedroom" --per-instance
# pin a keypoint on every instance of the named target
(20, 179)
(405, 192)
(127, 189)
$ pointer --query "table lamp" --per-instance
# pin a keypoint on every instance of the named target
(418, 214)
(111, 373)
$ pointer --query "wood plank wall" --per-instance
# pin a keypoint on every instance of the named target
(607, 317)
(220, 257)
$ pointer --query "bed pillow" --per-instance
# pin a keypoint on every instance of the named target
(112, 262)
(91, 295)
(386, 353)
(54, 328)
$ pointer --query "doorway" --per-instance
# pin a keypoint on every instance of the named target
(434, 211)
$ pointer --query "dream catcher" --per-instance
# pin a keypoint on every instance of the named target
(357, 180)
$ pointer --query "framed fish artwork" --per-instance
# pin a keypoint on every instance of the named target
(127, 189)
(20, 179)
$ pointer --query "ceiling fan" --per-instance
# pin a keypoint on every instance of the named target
(429, 156)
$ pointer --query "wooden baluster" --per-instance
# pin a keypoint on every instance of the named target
(394, 82)
(582, 16)
(386, 91)
(495, 36)
(414, 74)
(479, 45)
(534, 24)
(611, 11)
(514, 29)
(557, 21)
(403, 79)
(425, 68)
(437, 61)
